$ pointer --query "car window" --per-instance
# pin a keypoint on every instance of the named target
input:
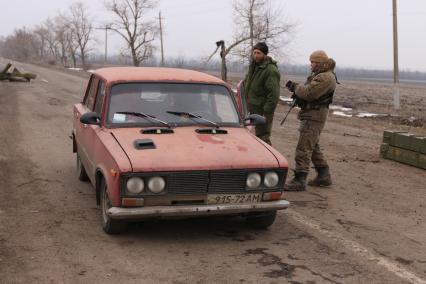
(213, 102)
(90, 97)
(100, 97)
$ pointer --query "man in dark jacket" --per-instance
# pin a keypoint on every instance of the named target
(314, 98)
(262, 85)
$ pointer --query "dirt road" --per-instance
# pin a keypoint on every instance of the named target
(368, 227)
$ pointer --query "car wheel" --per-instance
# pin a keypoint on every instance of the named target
(81, 171)
(263, 220)
(109, 225)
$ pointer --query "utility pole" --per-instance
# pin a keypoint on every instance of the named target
(395, 57)
(161, 39)
(106, 28)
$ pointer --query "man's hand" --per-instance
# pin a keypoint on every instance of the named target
(297, 101)
(291, 86)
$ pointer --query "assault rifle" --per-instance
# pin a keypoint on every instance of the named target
(292, 105)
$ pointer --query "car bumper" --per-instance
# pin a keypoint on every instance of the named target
(194, 210)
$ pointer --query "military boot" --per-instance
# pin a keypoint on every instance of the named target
(323, 177)
(298, 183)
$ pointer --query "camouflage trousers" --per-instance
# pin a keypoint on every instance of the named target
(263, 131)
(308, 148)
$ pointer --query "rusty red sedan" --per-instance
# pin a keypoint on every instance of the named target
(167, 143)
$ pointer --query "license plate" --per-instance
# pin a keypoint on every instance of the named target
(234, 198)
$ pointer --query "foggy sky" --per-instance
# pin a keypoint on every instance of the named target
(355, 33)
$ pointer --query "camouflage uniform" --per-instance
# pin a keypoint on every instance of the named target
(263, 90)
(312, 118)
(314, 98)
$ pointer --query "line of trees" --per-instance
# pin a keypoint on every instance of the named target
(68, 37)
(65, 39)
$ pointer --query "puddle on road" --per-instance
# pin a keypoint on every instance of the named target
(341, 113)
(340, 110)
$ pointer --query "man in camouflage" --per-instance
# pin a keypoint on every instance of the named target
(262, 86)
(314, 98)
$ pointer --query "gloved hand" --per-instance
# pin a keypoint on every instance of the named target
(297, 101)
(291, 86)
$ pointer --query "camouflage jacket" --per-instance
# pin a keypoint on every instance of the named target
(318, 84)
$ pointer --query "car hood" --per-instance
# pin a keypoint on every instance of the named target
(185, 149)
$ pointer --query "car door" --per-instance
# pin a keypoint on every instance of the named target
(85, 133)
(240, 97)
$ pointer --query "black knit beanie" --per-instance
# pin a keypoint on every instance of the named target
(262, 47)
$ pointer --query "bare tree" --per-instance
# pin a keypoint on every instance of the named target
(132, 26)
(49, 27)
(40, 33)
(62, 32)
(262, 21)
(255, 20)
(20, 45)
(224, 51)
(71, 45)
(81, 29)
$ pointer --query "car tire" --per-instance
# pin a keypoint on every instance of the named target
(263, 220)
(81, 171)
(109, 225)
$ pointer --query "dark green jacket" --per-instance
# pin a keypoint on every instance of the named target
(262, 85)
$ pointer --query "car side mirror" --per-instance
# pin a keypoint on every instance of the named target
(91, 118)
(254, 119)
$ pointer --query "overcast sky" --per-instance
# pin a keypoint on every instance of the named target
(356, 33)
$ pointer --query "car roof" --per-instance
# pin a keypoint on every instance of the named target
(113, 74)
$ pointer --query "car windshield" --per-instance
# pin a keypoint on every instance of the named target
(163, 100)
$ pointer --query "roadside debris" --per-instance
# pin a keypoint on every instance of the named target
(353, 135)
(15, 75)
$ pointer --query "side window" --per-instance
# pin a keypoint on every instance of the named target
(100, 97)
(225, 108)
(89, 101)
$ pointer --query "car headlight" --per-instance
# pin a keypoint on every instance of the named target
(271, 179)
(156, 184)
(253, 181)
(135, 185)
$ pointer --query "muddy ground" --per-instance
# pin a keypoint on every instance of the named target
(369, 227)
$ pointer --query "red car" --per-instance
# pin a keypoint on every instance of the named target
(160, 142)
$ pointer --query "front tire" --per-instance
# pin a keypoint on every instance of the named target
(109, 225)
(262, 220)
(81, 171)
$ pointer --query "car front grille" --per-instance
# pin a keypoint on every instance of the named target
(209, 182)
(188, 183)
(229, 181)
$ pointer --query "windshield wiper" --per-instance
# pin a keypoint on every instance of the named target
(192, 115)
(146, 116)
